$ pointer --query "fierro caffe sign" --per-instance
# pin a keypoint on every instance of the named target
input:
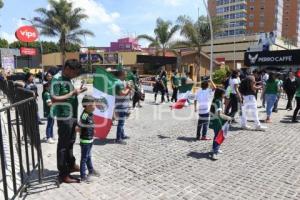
(287, 57)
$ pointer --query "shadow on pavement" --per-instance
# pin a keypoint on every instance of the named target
(198, 155)
(187, 139)
(104, 142)
(49, 182)
(163, 137)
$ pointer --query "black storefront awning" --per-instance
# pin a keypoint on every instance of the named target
(156, 60)
(269, 58)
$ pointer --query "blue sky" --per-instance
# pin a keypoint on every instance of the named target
(108, 19)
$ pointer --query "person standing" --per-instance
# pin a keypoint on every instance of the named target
(264, 79)
(217, 119)
(175, 82)
(280, 85)
(248, 89)
(204, 97)
(136, 96)
(290, 86)
(164, 77)
(235, 96)
(30, 85)
(159, 87)
(121, 109)
(47, 103)
(294, 120)
(87, 138)
(65, 102)
(271, 94)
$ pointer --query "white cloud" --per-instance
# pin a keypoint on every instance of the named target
(115, 29)
(98, 14)
(8, 36)
(173, 2)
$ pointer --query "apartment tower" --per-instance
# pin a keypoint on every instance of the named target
(259, 16)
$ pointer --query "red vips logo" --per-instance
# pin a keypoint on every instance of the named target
(27, 34)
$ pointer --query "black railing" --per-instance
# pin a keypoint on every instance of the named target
(20, 144)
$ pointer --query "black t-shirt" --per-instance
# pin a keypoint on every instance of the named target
(245, 87)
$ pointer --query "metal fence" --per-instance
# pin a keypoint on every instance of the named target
(20, 144)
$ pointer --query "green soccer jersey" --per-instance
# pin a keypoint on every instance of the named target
(62, 85)
(46, 99)
(175, 80)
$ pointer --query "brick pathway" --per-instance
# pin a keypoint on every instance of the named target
(161, 161)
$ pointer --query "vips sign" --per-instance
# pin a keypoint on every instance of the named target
(27, 34)
(286, 57)
(28, 51)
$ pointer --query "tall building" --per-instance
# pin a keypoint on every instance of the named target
(259, 16)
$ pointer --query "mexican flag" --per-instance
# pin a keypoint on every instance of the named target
(222, 134)
(104, 84)
(184, 93)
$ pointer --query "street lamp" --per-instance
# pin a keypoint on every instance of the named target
(211, 38)
(41, 46)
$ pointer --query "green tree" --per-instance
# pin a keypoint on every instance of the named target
(1, 4)
(197, 34)
(164, 33)
(3, 43)
(64, 21)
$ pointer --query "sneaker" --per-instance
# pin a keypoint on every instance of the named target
(220, 151)
(260, 128)
(50, 141)
(295, 121)
(125, 137)
(120, 142)
(205, 138)
(85, 179)
(95, 173)
(246, 127)
(215, 156)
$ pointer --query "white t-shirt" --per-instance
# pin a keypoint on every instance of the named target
(204, 99)
(232, 83)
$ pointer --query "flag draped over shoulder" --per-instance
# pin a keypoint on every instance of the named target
(222, 134)
(104, 92)
(184, 93)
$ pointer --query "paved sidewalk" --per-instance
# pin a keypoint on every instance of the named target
(162, 161)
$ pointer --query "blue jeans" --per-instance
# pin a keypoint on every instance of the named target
(49, 128)
(86, 159)
(216, 146)
(202, 125)
(271, 100)
(120, 127)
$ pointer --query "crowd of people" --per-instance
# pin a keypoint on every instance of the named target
(216, 106)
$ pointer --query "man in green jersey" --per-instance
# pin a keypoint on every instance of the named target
(65, 105)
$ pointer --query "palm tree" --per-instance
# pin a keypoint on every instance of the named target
(64, 21)
(164, 33)
(197, 34)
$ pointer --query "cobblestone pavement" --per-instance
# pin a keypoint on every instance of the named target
(162, 161)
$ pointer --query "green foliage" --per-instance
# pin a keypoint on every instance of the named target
(48, 47)
(26, 70)
(3, 43)
(220, 75)
(164, 32)
(1, 4)
(62, 20)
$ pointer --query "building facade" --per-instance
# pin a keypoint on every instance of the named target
(123, 44)
(243, 17)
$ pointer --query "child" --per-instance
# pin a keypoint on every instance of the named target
(86, 138)
(217, 119)
(204, 98)
(47, 103)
